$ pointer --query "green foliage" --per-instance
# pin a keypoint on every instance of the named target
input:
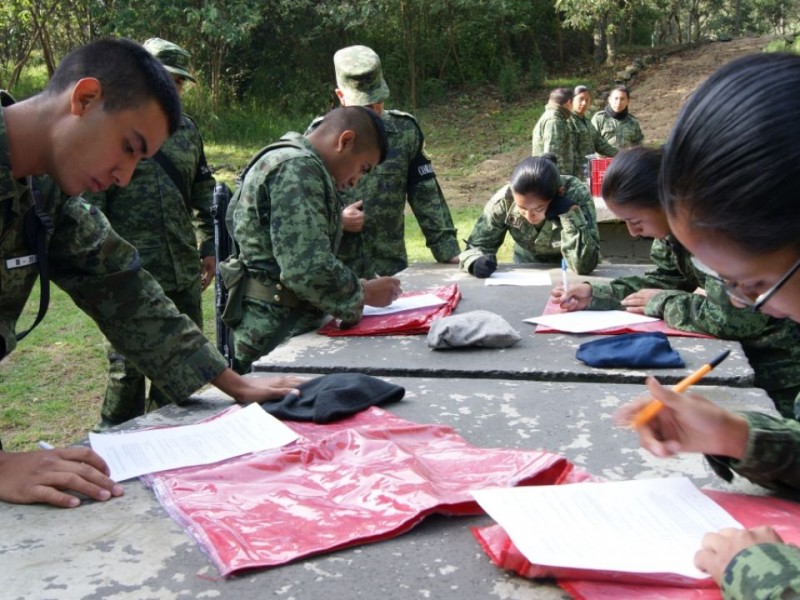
(432, 91)
(537, 70)
(509, 81)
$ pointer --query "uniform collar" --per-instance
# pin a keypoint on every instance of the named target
(9, 186)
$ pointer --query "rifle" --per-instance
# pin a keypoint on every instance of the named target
(223, 248)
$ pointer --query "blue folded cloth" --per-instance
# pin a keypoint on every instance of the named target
(634, 350)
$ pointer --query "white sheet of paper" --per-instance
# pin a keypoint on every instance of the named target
(137, 453)
(519, 277)
(404, 303)
(585, 321)
(639, 526)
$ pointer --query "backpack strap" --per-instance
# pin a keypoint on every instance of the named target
(37, 226)
(169, 168)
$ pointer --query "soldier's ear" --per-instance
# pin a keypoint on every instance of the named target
(86, 93)
(561, 190)
(346, 141)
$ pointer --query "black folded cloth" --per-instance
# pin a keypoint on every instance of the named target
(332, 397)
(633, 350)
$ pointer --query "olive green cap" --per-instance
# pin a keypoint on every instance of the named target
(174, 58)
(359, 76)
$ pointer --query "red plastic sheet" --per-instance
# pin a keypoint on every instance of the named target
(551, 308)
(369, 477)
(750, 511)
(409, 322)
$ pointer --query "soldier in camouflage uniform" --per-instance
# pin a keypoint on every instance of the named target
(374, 214)
(615, 124)
(729, 184)
(588, 140)
(553, 133)
(565, 224)
(166, 220)
(771, 345)
(108, 105)
(286, 221)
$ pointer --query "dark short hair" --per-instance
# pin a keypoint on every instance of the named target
(129, 74)
(561, 95)
(632, 177)
(365, 122)
(536, 175)
(621, 88)
(731, 163)
(579, 89)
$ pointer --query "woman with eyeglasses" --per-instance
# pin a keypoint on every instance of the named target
(681, 291)
(729, 186)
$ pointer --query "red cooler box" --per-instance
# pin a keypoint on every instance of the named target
(597, 170)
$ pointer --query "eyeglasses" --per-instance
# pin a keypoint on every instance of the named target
(734, 291)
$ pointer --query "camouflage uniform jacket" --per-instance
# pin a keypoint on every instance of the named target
(619, 133)
(287, 224)
(151, 212)
(407, 173)
(574, 235)
(587, 141)
(772, 345)
(553, 133)
(772, 459)
(103, 275)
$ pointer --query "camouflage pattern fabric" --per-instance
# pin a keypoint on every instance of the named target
(587, 141)
(406, 174)
(621, 134)
(152, 214)
(554, 134)
(103, 275)
(287, 225)
(573, 236)
(771, 345)
(761, 572)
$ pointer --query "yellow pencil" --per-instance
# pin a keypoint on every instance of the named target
(652, 408)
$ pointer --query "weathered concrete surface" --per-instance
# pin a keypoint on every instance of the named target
(129, 549)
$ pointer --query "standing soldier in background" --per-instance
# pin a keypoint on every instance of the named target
(617, 126)
(165, 213)
(553, 133)
(373, 219)
(587, 139)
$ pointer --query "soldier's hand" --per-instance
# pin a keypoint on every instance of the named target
(353, 217)
(637, 301)
(49, 475)
(208, 267)
(381, 291)
(576, 297)
(718, 549)
(266, 389)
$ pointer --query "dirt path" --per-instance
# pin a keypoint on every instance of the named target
(657, 96)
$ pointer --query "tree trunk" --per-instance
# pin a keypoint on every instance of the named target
(599, 39)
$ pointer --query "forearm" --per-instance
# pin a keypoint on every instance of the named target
(764, 571)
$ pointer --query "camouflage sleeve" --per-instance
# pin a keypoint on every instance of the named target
(764, 571)
(429, 206)
(637, 137)
(556, 139)
(580, 241)
(201, 192)
(303, 224)
(102, 274)
(666, 276)
(488, 233)
(601, 145)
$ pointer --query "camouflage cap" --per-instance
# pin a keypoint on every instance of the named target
(174, 58)
(359, 76)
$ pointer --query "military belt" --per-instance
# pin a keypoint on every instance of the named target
(273, 292)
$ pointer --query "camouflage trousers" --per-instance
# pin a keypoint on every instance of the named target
(264, 326)
(125, 392)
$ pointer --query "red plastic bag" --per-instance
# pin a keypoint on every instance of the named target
(409, 322)
(369, 477)
(750, 511)
(551, 308)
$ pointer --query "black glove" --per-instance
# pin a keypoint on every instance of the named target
(557, 207)
(483, 267)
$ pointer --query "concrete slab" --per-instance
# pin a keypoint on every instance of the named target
(540, 357)
(129, 549)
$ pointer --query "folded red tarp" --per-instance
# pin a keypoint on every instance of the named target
(369, 477)
(584, 584)
(409, 322)
(551, 308)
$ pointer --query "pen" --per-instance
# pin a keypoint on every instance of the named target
(652, 409)
(564, 276)
(46, 446)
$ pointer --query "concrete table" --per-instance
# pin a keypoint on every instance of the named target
(129, 549)
(539, 357)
